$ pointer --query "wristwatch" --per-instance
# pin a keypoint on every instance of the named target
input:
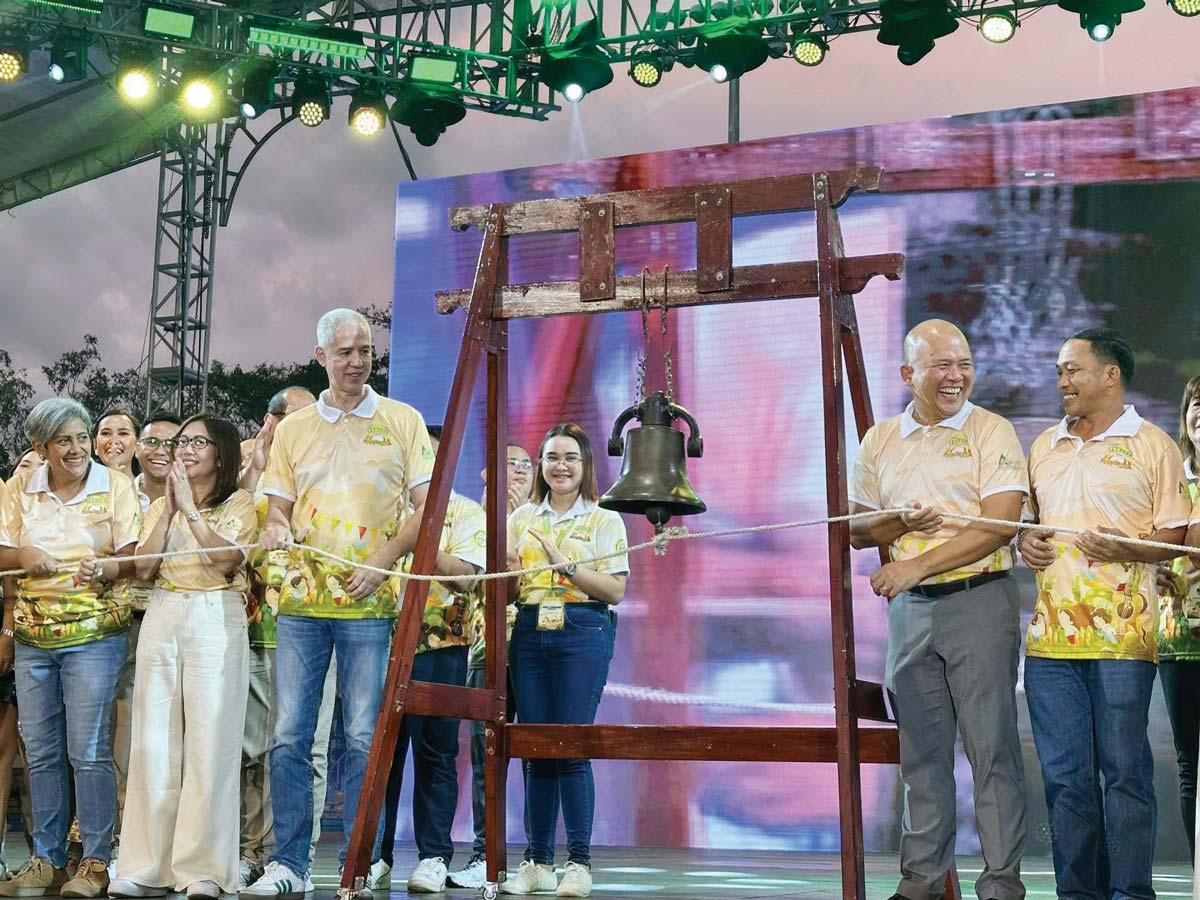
(568, 569)
(193, 516)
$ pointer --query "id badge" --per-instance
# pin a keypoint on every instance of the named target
(551, 615)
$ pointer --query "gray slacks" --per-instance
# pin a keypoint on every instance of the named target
(952, 668)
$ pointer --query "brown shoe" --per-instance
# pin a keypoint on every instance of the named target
(37, 878)
(91, 879)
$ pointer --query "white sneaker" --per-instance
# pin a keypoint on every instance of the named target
(379, 876)
(123, 887)
(530, 879)
(429, 877)
(249, 872)
(279, 882)
(472, 875)
(203, 890)
(576, 882)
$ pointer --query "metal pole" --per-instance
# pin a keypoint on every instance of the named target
(735, 110)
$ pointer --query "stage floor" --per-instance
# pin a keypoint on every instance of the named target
(640, 872)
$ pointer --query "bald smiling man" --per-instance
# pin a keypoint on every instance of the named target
(953, 615)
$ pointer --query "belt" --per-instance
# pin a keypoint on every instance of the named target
(955, 587)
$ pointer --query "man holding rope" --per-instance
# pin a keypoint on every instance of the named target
(347, 475)
(953, 618)
(1093, 642)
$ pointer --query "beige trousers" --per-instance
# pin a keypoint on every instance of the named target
(189, 708)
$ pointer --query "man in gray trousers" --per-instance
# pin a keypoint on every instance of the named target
(953, 625)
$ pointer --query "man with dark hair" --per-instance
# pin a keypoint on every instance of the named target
(1093, 641)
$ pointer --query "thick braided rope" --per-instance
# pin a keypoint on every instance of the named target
(658, 543)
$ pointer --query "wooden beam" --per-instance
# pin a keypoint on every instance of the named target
(749, 283)
(658, 206)
(695, 742)
(425, 698)
(866, 699)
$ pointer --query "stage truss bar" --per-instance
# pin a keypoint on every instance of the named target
(65, 173)
(696, 742)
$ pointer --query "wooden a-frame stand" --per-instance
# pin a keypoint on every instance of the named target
(832, 278)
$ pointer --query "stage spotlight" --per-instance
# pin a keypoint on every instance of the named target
(998, 27)
(577, 66)
(311, 99)
(730, 48)
(14, 56)
(68, 58)
(718, 73)
(646, 67)
(809, 50)
(428, 111)
(912, 26)
(1185, 7)
(1100, 18)
(197, 93)
(136, 78)
(258, 92)
(573, 92)
(368, 112)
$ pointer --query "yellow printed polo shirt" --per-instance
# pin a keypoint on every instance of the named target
(447, 618)
(1130, 477)
(349, 476)
(234, 520)
(584, 531)
(952, 466)
(1179, 608)
(137, 592)
(266, 571)
(52, 612)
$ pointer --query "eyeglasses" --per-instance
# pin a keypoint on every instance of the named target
(526, 464)
(198, 442)
(153, 443)
(571, 459)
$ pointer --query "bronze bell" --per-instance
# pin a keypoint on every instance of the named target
(653, 480)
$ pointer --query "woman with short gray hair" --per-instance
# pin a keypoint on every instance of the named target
(61, 522)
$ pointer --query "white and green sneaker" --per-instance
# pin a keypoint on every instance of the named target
(279, 882)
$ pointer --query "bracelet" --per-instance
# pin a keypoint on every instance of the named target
(193, 516)
(6, 632)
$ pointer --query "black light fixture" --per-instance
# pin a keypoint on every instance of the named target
(729, 48)
(647, 65)
(137, 76)
(311, 99)
(257, 92)
(14, 55)
(577, 67)
(998, 27)
(1187, 8)
(1100, 18)
(809, 49)
(912, 26)
(428, 111)
(68, 57)
(368, 111)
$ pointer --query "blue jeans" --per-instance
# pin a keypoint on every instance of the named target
(1089, 719)
(301, 662)
(560, 676)
(65, 700)
(434, 741)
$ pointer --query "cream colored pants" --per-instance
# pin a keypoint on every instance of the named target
(189, 706)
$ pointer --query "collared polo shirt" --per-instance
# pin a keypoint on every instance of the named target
(1179, 608)
(103, 518)
(234, 520)
(1131, 478)
(349, 476)
(952, 466)
(582, 532)
(266, 571)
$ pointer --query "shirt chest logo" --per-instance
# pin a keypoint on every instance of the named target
(378, 436)
(1118, 456)
(95, 505)
(958, 447)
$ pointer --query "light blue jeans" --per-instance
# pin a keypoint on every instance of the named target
(65, 699)
(301, 662)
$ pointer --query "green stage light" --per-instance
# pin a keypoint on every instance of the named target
(321, 39)
(730, 48)
(368, 112)
(427, 111)
(68, 58)
(809, 50)
(87, 7)
(169, 22)
(14, 56)
(998, 27)
(1185, 7)
(1100, 18)
(912, 26)
(311, 99)
(577, 66)
(258, 92)
(433, 69)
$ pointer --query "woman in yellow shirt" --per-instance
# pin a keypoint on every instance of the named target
(181, 825)
(562, 643)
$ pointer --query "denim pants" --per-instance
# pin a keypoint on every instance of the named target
(434, 742)
(560, 676)
(302, 661)
(1089, 720)
(65, 699)
(1181, 689)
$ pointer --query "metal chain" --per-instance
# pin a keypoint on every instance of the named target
(641, 366)
(666, 343)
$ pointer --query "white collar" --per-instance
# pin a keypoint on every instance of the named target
(365, 409)
(579, 508)
(908, 424)
(1126, 425)
(1189, 470)
(98, 482)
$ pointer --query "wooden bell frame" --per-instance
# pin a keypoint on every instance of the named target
(833, 279)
